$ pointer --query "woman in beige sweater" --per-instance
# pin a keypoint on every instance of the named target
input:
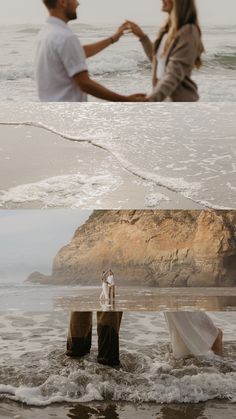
(175, 53)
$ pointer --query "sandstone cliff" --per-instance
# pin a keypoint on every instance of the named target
(155, 248)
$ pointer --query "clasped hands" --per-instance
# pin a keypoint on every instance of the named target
(131, 27)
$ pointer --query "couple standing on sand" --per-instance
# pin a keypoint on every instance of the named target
(61, 69)
(108, 286)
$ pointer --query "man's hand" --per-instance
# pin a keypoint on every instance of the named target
(137, 97)
(93, 88)
(93, 49)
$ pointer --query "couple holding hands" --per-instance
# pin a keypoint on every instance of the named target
(108, 286)
(61, 69)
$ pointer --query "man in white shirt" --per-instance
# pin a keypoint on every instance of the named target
(111, 284)
(60, 66)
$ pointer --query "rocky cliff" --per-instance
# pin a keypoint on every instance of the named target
(154, 248)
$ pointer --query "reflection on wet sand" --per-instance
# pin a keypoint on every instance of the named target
(135, 299)
(114, 411)
(111, 410)
(107, 410)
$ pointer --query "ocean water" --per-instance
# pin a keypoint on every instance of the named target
(35, 372)
(123, 67)
(194, 160)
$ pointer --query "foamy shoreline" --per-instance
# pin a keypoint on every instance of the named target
(35, 372)
(71, 174)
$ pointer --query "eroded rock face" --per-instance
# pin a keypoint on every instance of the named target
(156, 248)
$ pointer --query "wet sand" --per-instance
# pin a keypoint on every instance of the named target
(212, 409)
(49, 298)
(30, 155)
(151, 299)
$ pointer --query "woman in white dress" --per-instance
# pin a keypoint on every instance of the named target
(193, 333)
(105, 288)
(175, 53)
(111, 284)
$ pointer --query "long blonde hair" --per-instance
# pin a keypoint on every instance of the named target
(183, 12)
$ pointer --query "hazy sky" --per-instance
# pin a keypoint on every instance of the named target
(115, 11)
(32, 238)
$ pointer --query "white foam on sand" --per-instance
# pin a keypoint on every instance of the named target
(74, 190)
(154, 199)
(195, 159)
(67, 191)
(148, 381)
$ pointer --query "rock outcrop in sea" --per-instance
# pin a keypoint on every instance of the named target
(150, 248)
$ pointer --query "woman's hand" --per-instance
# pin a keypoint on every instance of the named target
(119, 33)
(134, 28)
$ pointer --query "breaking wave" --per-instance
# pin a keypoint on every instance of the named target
(150, 376)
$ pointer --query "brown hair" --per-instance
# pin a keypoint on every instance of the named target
(184, 12)
(50, 4)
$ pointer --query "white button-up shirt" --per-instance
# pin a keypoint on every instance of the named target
(59, 57)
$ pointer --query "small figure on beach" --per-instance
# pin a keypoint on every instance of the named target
(61, 70)
(105, 289)
(108, 286)
(111, 284)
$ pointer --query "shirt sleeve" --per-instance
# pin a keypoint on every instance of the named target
(73, 56)
(181, 62)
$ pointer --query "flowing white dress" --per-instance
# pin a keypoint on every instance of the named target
(105, 291)
(191, 333)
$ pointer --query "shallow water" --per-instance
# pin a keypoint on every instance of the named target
(217, 81)
(195, 160)
(34, 369)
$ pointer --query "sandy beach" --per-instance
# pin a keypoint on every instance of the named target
(56, 164)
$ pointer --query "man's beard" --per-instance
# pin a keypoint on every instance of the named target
(71, 15)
